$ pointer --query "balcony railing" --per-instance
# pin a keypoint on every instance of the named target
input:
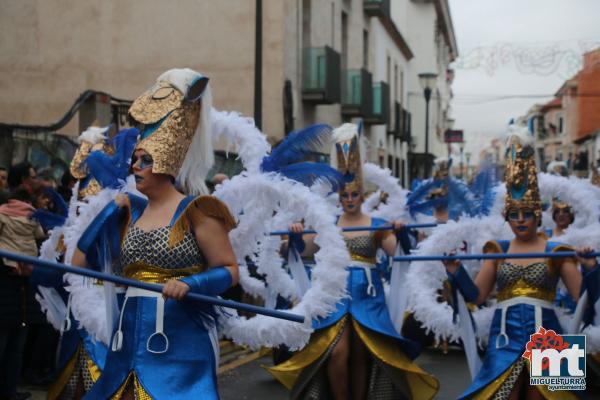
(376, 8)
(321, 75)
(406, 131)
(395, 120)
(357, 88)
(380, 111)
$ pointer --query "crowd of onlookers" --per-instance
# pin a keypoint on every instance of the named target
(27, 342)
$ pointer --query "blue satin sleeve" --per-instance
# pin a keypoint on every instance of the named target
(462, 281)
(212, 282)
(403, 238)
(46, 277)
(591, 284)
(100, 242)
(297, 242)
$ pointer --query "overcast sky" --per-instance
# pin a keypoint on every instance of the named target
(528, 47)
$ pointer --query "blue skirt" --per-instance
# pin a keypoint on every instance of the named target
(187, 369)
(520, 324)
(368, 310)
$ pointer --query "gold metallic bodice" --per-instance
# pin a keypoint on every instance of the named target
(362, 248)
(147, 256)
(533, 280)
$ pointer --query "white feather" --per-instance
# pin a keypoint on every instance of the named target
(93, 135)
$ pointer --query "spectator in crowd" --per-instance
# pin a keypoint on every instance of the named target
(18, 234)
(66, 185)
(22, 175)
(3, 178)
(3, 185)
(46, 178)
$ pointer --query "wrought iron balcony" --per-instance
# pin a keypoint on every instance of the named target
(395, 120)
(406, 131)
(357, 93)
(380, 111)
(376, 8)
(321, 75)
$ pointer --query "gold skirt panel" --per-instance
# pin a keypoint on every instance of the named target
(421, 384)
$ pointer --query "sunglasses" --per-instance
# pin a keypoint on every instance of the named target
(517, 215)
(353, 195)
(145, 160)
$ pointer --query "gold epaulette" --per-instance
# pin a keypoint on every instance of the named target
(198, 209)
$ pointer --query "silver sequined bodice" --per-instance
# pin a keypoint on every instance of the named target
(152, 248)
(363, 246)
(534, 275)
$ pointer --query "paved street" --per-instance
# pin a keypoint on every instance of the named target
(245, 379)
(250, 381)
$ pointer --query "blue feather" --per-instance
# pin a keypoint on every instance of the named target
(427, 206)
(47, 219)
(112, 171)
(483, 188)
(124, 143)
(460, 199)
(60, 206)
(296, 146)
(308, 173)
(422, 190)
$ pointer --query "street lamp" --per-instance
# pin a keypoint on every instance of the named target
(468, 157)
(427, 81)
(462, 148)
(449, 126)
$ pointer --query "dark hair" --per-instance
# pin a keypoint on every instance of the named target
(67, 178)
(571, 213)
(3, 168)
(46, 174)
(21, 194)
(18, 173)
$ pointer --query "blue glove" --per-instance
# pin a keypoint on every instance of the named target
(404, 240)
(212, 282)
(296, 241)
(591, 284)
(462, 281)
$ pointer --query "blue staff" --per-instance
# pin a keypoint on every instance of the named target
(149, 286)
(494, 256)
(360, 229)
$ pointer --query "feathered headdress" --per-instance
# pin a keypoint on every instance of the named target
(92, 139)
(558, 168)
(175, 113)
(288, 158)
(112, 170)
(522, 189)
(559, 204)
(346, 156)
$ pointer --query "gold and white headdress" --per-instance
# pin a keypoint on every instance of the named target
(522, 189)
(346, 155)
(175, 113)
(92, 139)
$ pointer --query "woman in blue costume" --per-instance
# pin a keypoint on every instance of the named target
(355, 352)
(80, 359)
(163, 348)
(525, 287)
(563, 216)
